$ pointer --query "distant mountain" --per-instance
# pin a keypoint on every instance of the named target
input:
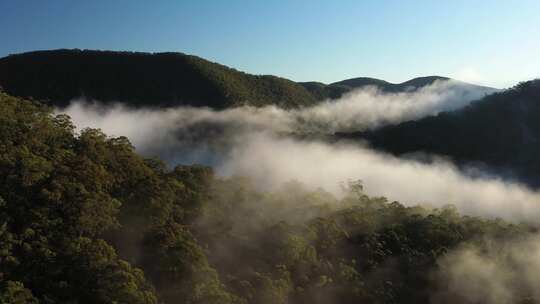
(501, 130)
(337, 89)
(142, 79)
(165, 79)
(363, 81)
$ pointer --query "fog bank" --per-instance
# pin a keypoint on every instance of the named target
(499, 271)
(261, 143)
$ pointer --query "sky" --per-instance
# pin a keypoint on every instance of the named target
(494, 42)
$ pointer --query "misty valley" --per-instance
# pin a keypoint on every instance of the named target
(132, 177)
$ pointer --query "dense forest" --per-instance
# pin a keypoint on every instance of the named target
(502, 130)
(165, 80)
(142, 79)
(85, 219)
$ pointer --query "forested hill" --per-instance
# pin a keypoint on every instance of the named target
(84, 219)
(502, 130)
(165, 79)
(337, 89)
(142, 79)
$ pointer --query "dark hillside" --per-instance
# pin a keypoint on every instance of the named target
(165, 80)
(142, 79)
(502, 130)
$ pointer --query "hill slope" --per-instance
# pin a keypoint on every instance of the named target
(142, 79)
(502, 130)
(84, 219)
(165, 79)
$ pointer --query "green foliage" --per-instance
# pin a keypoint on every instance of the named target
(356, 249)
(15, 293)
(143, 79)
(84, 219)
(179, 269)
(91, 272)
(62, 194)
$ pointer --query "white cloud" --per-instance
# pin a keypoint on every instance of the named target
(262, 143)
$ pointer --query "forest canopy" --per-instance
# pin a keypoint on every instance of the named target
(142, 79)
(85, 219)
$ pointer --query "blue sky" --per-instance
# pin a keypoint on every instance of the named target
(488, 42)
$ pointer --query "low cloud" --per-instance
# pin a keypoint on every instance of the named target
(496, 272)
(272, 160)
(359, 110)
(369, 108)
(263, 144)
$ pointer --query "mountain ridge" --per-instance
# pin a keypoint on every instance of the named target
(164, 79)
